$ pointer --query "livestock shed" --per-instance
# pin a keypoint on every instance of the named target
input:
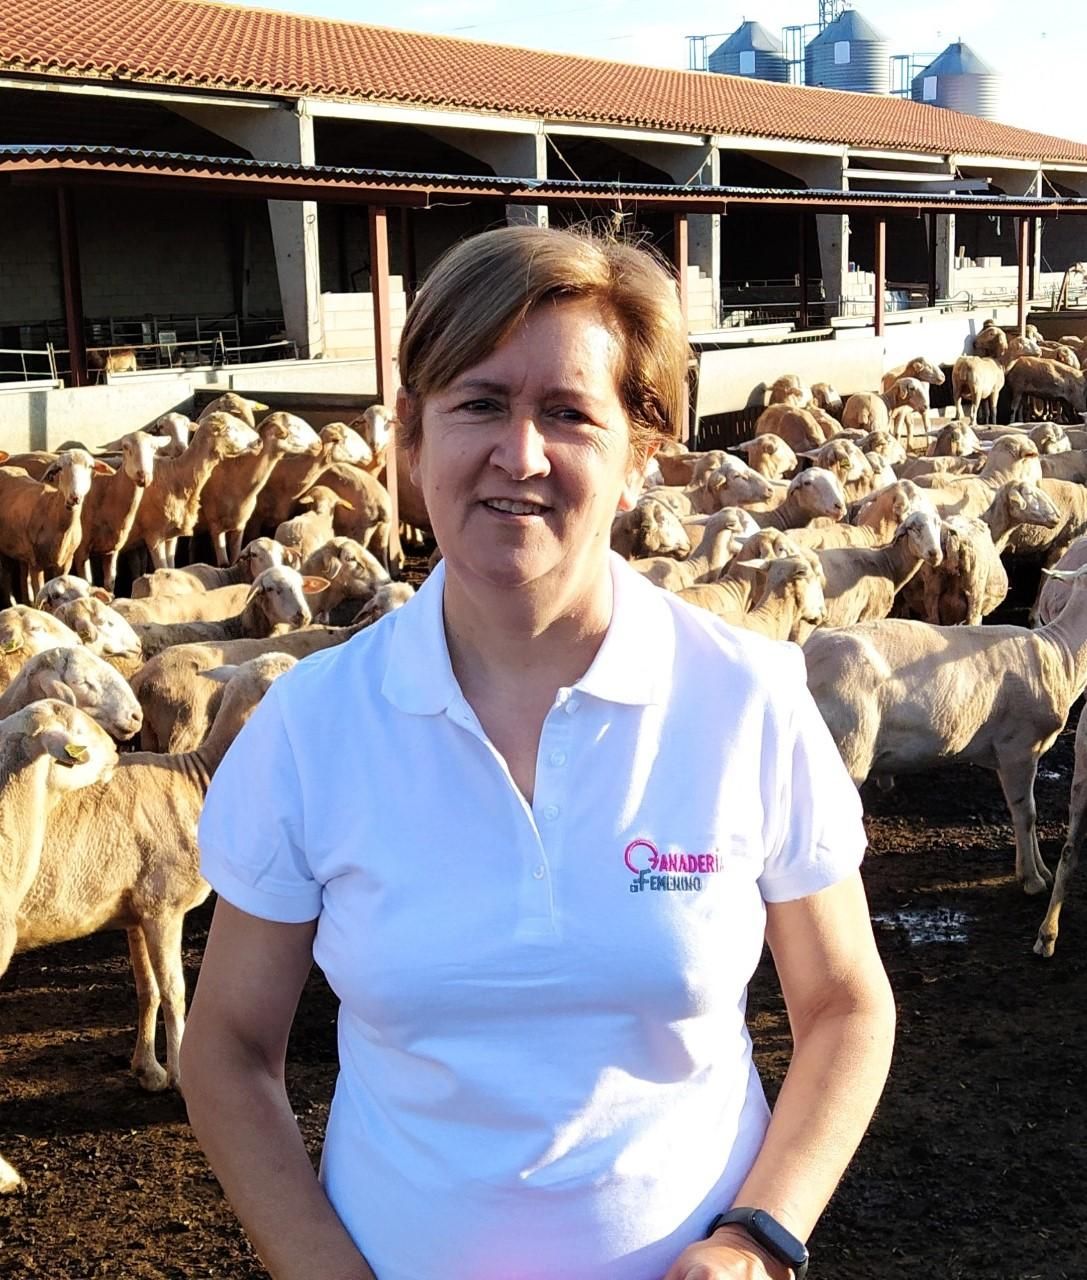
(194, 276)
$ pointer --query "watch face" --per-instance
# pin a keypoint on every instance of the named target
(778, 1240)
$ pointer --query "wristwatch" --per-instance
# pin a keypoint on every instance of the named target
(769, 1234)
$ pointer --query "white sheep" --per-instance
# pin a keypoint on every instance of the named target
(650, 528)
(901, 696)
(311, 529)
(47, 750)
(978, 381)
(1046, 942)
(84, 680)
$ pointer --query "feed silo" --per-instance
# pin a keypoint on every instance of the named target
(960, 80)
(849, 54)
(751, 51)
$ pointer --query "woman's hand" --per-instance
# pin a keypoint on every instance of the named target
(729, 1254)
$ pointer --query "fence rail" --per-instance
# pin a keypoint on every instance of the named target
(15, 372)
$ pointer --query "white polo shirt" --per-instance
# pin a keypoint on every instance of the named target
(544, 1068)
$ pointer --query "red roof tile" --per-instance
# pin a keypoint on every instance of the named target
(197, 44)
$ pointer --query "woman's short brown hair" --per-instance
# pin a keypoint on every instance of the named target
(485, 286)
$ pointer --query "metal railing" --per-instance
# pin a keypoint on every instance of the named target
(16, 372)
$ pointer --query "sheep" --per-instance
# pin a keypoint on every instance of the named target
(826, 398)
(956, 440)
(1058, 351)
(650, 528)
(385, 600)
(920, 368)
(276, 599)
(353, 576)
(102, 629)
(171, 502)
(978, 381)
(991, 342)
(369, 519)
(1011, 458)
(375, 427)
(122, 854)
(792, 597)
(79, 677)
(674, 461)
(1020, 346)
(65, 587)
(110, 507)
(237, 406)
(788, 389)
(875, 519)
(305, 533)
(47, 749)
(1048, 543)
(901, 696)
(254, 558)
(810, 494)
(1049, 380)
(24, 632)
(861, 582)
(1050, 439)
(732, 484)
(229, 498)
(847, 461)
(887, 445)
(797, 427)
(871, 410)
(41, 522)
(770, 456)
(719, 543)
(192, 606)
(171, 434)
(1053, 591)
(1046, 942)
(973, 582)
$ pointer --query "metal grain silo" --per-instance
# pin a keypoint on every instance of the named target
(960, 80)
(849, 54)
(751, 51)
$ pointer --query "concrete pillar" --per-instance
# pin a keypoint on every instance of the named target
(693, 166)
(945, 255)
(826, 173)
(287, 135)
(510, 155)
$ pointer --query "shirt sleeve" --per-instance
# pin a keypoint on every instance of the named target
(250, 833)
(815, 827)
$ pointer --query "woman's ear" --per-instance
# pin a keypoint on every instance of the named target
(635, 481)
(406, 408)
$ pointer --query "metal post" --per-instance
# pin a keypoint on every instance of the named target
(383, 357)
(802, 272)
(407, 252)
(1023, 291)
(881, 276)
(1032, 256)
(72, 287)
(933, 276)
(679, 258)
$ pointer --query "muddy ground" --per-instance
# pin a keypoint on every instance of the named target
(975, 1165)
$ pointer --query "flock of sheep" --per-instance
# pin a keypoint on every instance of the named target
(850, 528)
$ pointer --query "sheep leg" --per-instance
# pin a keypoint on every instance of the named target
(9, 1179)
(145, 1065)
(171, 553)
(233, 544)
(109, 570)
(1073, 845)
(1017, 783)
(158, 552)
(163, 937)
(218, 541)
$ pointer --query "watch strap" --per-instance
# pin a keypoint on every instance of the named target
(765, 1230)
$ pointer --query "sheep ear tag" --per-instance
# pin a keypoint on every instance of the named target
(10, 646)
(76, 753)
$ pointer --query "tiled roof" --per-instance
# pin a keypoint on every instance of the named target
(196, 44)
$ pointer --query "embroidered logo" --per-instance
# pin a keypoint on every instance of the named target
(667, 872)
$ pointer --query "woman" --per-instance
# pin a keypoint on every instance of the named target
(576, 807)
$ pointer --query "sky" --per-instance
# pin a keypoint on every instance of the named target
(1039, 58)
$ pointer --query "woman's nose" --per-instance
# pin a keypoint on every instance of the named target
(521, 450)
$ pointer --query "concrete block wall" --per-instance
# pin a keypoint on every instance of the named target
(348, 321)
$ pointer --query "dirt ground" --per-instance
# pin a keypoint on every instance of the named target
(974, 1167)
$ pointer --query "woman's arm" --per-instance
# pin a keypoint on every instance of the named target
(841, 1012)
(232, 1063)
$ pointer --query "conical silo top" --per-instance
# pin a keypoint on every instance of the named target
(958, 59)
(751, 35)
(848, 25)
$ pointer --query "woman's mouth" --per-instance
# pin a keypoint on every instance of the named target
(510, 506)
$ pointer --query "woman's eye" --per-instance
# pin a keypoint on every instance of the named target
(570, 415)
(478, 406)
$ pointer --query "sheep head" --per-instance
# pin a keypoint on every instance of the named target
(28, 631)
(84, 751)
(228, 436)
(100, 627)
(82, 679)
(280, 595)
(1028, 504)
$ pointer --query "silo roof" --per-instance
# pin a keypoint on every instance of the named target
(958, 59)
(750, 35)
(849, 25)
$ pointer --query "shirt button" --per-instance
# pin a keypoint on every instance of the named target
(571, 706)
(537, 873)
(551, 812)
(557, 758)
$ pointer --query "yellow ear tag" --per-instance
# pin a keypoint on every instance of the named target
(75, 751)
(10, 646)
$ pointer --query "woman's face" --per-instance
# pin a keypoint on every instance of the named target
(525, 458)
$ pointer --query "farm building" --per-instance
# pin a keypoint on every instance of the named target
(107, 246)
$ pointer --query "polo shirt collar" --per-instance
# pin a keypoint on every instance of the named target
(630, 667)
